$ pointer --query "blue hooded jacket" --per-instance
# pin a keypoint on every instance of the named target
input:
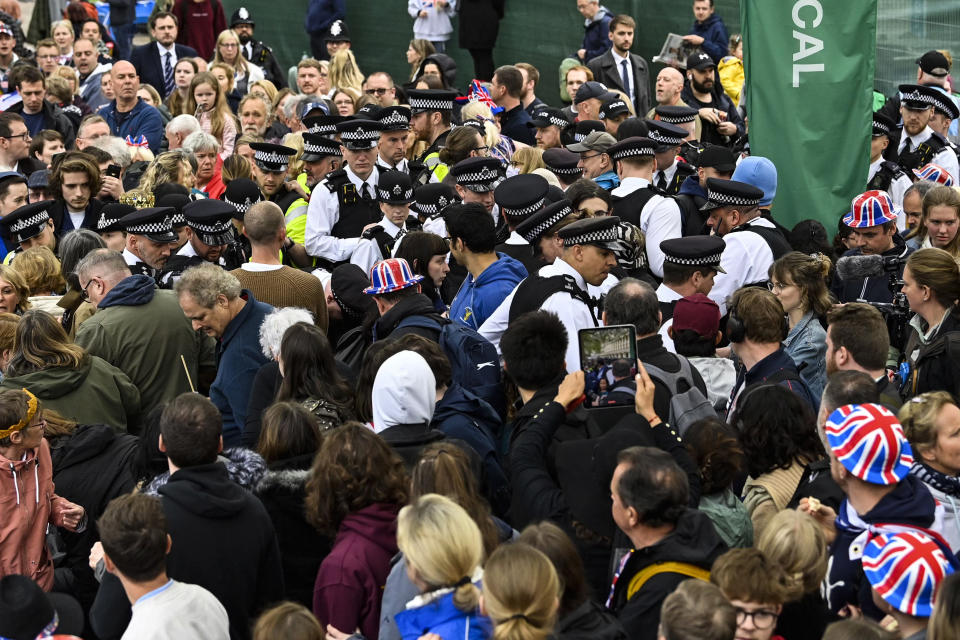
(132, 291)
(441, 617)
(596, 37)
(479, 297)
(141, 120)
(716, 42)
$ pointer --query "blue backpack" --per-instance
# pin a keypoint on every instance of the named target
(473, 358)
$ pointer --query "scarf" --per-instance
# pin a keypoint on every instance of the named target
(949, 485)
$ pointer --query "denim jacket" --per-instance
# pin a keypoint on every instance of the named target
(807, 345)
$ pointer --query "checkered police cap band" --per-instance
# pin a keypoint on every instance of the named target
(694, 262)
(603, 235)
(105, 222)
(536, 232)
(725, 199)
(919, 96)
(633, 152)
(322, 150)
(323, 129)
(483, 176)
(361, 134)
(677, 119)
(242, 207)
(177, 219)
(429, 104)
(397, 193)
(163, 226)
(565, 171)
(664, 139)
(25, 223)
(216, 227)
(555, 120)
(395, 117)
(578, 137)
(271, 158)
(430, 208)
(880, 127)
(524, 211)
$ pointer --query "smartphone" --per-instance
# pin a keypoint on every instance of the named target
(113, 170)
(603, 346)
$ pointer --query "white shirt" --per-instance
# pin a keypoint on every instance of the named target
(668, 173)
(324, 212)
(666, 294)
(178, 611)
(659, 220)
(746, 259)
(898, 186)
(187, 250)
(573, 313)
(403, 165)
(130, 258)
(367, 252)
(259, 267)
(631, 83)
(163, 52)
(946, 158)
(76, 218)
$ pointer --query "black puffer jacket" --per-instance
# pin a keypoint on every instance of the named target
(935, 366)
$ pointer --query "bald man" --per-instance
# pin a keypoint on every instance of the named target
(128, 115)
(668, 88)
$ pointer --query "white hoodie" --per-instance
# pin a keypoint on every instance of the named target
(404, 391)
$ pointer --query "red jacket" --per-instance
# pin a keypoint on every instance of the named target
(200, 24)
(27, 504)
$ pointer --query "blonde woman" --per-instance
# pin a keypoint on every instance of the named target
(521, 593)
(63, 35)
(443, 548)
(344, 72)
(228, 51)
(171, 166)
(501, 147)
(795, 541)
(265, 89)
(525, 160)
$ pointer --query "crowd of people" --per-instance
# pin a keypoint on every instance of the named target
(304, 353)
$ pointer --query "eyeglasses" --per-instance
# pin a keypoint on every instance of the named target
(83, 292)
(762, 619)
(25, 135)
(584, 156)
(484, 149)
(777, 287)
(379, 91)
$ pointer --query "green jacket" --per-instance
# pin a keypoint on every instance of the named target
(96, 392)
(142, 331)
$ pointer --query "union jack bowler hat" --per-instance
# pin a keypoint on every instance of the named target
(389, 275)
(934, 173)
(869, 443)
(870, 209)
(906, 569)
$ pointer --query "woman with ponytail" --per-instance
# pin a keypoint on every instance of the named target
(443, 549)
(521, 593)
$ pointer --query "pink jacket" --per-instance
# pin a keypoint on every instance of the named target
(228, 137)
(27, 505)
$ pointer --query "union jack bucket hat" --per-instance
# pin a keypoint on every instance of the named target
(906, 568)
(868, 441)
(870, 209)
(389, 275)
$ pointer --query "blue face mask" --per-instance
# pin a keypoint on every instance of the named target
(512, 171)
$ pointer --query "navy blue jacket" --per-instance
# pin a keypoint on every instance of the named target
(876, 288)
(240, 358)
(146, 60)
(141, 120)
(322, 13)
(716, 42)
(596, 37)
(513, 124)
(773, 364)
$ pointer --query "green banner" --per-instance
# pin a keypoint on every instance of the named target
(809, 68)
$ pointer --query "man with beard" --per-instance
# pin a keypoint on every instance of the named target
(918, 144)
(721, 120)
(667, 92)
(150, 236)
(393, 139)
(430, 113)
(254, 50)
(857, 340)
(321, 156)
(346, 205)
(549, 122)
(620, 69)
(209, 232)
(156, 61)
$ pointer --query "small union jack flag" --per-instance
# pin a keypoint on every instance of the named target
(869, 442)
(906, 569)
(479, 93)
(870, 209)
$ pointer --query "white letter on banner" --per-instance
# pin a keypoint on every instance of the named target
(807, 3)
(808, 45)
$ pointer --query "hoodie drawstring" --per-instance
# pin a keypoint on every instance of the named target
(36, 481)
(16, 486)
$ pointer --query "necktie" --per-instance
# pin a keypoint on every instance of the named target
(661, 181)
(167, 73)
(365, 192)
(625, 76)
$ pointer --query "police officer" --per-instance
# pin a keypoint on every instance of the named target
(210, 225)
(563, 164)
(548, 122)
(753, 242)
(638, 202)
(321, 156)
(689, 267)
(109, 226)
(670, 172)
(269, 169)
(475, 179)
(344, 204)
(322, 125)
(429, 201)
(150, 238)
(688, 119)
(255, 51)
(30, 226)
(430, 112)
(884, 175)
(918, 144)
(519, 197)
(612, 113)
(394, 193)
(392, 147)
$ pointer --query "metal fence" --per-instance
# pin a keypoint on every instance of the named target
(908, 28)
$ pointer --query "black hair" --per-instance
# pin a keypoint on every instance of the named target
(654, 485)
(849, 387)
(473, 224)
(191, 429)
(633, 301)
(418, 248)
(713, 444)
(584, 189)
(691, 344)
(534, 347)
(777, 428)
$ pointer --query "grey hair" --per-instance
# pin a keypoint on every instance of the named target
(116, 147)
(198, 141)
(276, 324)
(633, 301)
(292, 107)
(206, 282)
(183, 123)
(75, 246)
(266, 103)
(110, 262)
(920, 187)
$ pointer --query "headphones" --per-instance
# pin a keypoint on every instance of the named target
(737, 330)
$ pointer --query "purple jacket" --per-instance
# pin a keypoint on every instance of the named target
(351, 579)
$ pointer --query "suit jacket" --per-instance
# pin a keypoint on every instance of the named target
(146, 60)
(605, 70)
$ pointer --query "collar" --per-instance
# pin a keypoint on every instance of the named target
(383, 164)
(766, 367)
(389, 227)
(371, 180)
(874, 167)
(153, 593)
(131, 258)
(187, 250)
(651, 345)
(666, 294)
(516, 239)
(233, 327)
(563, 268)
(629, 185)
(259, 267)
(921, 137)
(759, 221)
(670, 171)
(618, 58)
(163, 50)
(928, 334)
